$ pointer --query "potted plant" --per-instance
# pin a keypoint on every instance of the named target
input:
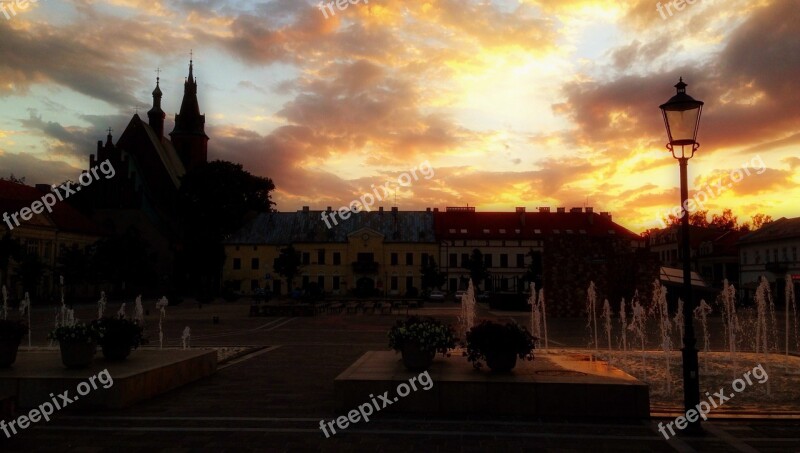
(78, 343)
(11, 332)
(419, 339)
(118, 337)
(499, 345)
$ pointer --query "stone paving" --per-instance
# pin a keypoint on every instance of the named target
(274, 399)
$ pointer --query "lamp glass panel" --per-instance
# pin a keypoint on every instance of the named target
(682, 124)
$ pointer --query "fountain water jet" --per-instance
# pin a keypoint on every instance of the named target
(591, 313)
(185, 338)
(730, 320)
(543, 308)
(623, 323)
(467, 318)
(661, 310)
(606, 314)
(701, 313)
(161, 305)
(789, 293)
(678, 320)
(101, 305)
(637, 326)
(536, 315)
(25, 306)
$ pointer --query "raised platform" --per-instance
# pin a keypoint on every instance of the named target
(552, 385)
(145, 374)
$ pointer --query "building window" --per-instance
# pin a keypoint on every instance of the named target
(393, 259)
(775, 255)
(785, 254)
(254, 264)
(409, 283)
(32, 247)
(453, 260)
(744, 257)
(409, 259)
(487, 259)
(237, 264)
(253, 284)
(337, 258)
(503, 260)
(758, 257)
(305, 281)
(794, 254)
(394, 283)
(321, 282)
(321, 256)
(306, 258)
(336, 283)
(424, 259)
(520, 260)
(464, 260)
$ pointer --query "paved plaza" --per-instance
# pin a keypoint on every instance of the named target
(273, 398)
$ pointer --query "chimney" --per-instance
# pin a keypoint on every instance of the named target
(305, 209)
(561, 210)
(329, 210)
(575, 210)
(380, 209)
(606, 216)
(394, 209)
(427, 209)
(435, 209)
(589, 210)
(544, 209)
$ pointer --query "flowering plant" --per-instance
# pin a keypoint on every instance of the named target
(431, 334)
(119, 331)
(489, 337)
(76, 333)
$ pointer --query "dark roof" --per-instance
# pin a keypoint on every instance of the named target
(418, 226)
(14, 197)
(782, 228)
(467, 224)
(307, 226)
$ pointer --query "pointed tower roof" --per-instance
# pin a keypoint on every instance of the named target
(189, 120)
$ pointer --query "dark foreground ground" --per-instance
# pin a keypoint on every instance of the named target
(274, 399)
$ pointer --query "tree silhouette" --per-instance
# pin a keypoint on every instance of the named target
(287, 265)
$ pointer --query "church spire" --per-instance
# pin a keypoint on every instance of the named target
(156, 116)
(189, 136)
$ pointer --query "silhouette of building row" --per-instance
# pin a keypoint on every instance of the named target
(382, 252)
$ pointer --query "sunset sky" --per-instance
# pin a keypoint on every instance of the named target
(514, 103)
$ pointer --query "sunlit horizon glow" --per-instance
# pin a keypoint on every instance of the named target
(514, 103)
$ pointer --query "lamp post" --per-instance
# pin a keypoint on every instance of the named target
(682, 120)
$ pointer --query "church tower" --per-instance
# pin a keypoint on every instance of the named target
(189, 137)
(156, 116)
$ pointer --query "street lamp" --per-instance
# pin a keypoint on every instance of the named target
(682, 120)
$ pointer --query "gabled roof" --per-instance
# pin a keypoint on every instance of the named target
(14, 197)
(163, 148)
(782, 228)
